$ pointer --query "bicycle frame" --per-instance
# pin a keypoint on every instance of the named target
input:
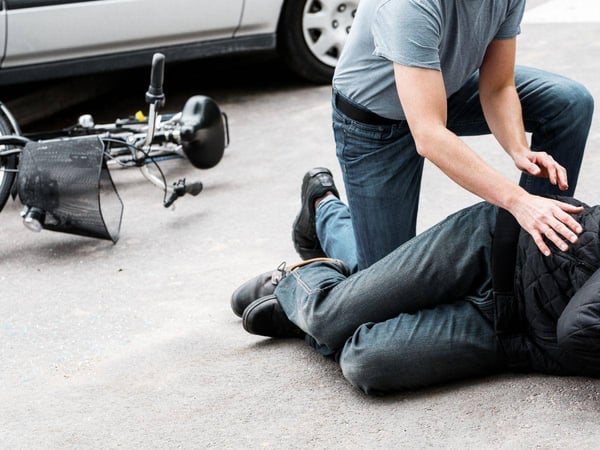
(199, 133)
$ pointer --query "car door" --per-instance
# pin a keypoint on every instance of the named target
(2, 31)
(42, 31)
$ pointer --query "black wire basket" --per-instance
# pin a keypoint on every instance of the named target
(68, 183)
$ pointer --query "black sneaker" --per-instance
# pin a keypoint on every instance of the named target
(259, 286)
(264, 284)
(316, 183)
(265, 317)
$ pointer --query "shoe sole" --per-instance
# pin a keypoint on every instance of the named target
(277, 324)
(246, 319)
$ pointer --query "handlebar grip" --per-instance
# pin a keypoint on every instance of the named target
(155, 90)
(193, 188)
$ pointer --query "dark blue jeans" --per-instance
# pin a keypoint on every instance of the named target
(382, 169)
(419, 316)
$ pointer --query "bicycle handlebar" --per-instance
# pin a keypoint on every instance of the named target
(155, 92)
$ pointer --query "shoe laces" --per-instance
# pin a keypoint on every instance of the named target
(279, 273)
(282, 270)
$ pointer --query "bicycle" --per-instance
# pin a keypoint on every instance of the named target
(63, 177)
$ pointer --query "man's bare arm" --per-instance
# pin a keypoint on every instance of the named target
(423, 99)
(502, 109)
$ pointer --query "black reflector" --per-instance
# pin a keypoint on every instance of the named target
(69, 181)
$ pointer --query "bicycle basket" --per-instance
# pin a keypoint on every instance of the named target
(69, 182)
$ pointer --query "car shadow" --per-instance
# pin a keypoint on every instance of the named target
(118, 94)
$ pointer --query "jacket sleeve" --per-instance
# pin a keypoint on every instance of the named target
(578, 329)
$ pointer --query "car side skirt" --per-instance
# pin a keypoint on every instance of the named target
(105, 63)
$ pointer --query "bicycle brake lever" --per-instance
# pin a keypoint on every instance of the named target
(180, 189)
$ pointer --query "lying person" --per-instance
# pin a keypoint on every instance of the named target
(434, 310)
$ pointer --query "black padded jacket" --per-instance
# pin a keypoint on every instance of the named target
(560, 298)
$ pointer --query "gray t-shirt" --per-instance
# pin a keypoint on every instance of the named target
(447, 35)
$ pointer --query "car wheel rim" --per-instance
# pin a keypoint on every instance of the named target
(325, 25)
(3, 172)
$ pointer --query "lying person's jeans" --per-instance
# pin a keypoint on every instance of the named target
(335, 232)
(421, 315)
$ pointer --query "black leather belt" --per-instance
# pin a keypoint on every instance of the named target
(360, 114)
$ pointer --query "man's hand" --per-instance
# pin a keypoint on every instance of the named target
(541, 164)
(542, 217)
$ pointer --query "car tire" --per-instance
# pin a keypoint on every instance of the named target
(311, 35)
(8, 164)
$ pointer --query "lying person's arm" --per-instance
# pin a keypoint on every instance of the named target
(578, 329)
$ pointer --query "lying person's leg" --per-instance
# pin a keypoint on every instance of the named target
(447, 262)
(335, 233)
(323, 227)
(448, 342)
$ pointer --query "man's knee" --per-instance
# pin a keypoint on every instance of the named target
(364, 371)
(573, 98)
(370, 368)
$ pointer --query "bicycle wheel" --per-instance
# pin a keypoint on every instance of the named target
(8, 165)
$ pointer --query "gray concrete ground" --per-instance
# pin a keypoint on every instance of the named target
(134, 345)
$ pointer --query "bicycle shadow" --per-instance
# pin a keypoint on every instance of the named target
(59, 248)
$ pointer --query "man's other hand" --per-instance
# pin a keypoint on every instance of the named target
(541, 164)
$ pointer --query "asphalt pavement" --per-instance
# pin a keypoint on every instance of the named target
(134, 345)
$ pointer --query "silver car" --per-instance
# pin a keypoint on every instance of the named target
(41, 39)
